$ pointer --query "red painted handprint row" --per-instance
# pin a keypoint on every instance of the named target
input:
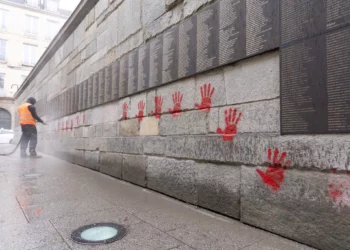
(69, 124)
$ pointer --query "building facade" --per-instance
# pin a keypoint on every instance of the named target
(26, 29)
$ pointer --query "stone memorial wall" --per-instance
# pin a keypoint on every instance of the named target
(237, 106)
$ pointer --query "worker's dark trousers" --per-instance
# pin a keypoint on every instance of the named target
(30, 135)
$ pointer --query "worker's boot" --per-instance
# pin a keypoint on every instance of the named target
(24, 154)
(33, 154)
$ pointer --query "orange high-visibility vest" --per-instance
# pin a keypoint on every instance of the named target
(25, 116)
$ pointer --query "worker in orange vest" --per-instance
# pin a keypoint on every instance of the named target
(27, 119)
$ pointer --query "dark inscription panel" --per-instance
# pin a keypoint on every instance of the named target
(85, 94)
(232, 33)
(170, 54)
(101, 88)
(108, 83)
(72, 97)
(77, 93)
(133, 72)
(303, 87)
(68, 111)
(90, 91)
(208, 38)
(262, 26)
(95, 92)
(143, 68)
(123, 77)
(338, 80)
(81, 96)
(156, 59)
(338, 13)
(115, 79)
(187, 47)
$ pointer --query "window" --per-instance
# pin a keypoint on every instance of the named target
(2, 83)
(30, 55)
(52, 5)
(51, 29)
(34, 3)
(3, 19)
(2, 50)
(31, 25)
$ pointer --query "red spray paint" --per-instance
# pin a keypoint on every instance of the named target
(141, 107)
(158, 102)
(231, 120)
(207, 93)
(125, 111)
(177, 99)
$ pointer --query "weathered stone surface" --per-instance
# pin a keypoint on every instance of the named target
(169, 4)
(110, 129)
(151, 10)
(213, 120)
(219, 188)
(91, 131)
(92, 160)
(155, 145)
(138, 105)
(129, 128)
(192, 122)
(111, 112)
(190, 6)
(133, 145)
(149, 126)
(112, 144)
(172, 177)
(78, 157)
(100, 7)
(111, 164)
(128, 15)
(124, 108)
(134, 169)
(91, 48)
(99, 130)
(256, 117)
(150, 101)
(215, 79)
(253, 79)
(301, 205)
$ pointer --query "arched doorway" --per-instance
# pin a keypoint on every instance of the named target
(5, 119)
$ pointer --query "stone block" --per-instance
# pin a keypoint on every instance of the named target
(256, 117)
(176, 178)
(219, 188)
(253, 79)
(78, 132)
(213, 120)
(149, 126)
(92, 160)
(111, 112)
(169, 4)
(302, 209)
(129, 128)
(68, 46)
(134, 169)
(78, 157)
(150, 101)
(110, 129)
(151, 10)
(128, 19)
(100, 7)
(112, 145)
(133, 145)
(111, 164)
(136, 103)
(214, 79)
(124, 108)
(187, 91)
(154, 145)
(99, 130)
(85, 131)
(91, 131)
(91, 49)
(192, 122)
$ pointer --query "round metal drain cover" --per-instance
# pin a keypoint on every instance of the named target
(98, 234)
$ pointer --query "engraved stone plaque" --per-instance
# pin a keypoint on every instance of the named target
(123, 79)
(101, 88)
(133, 72)
(232, 30)
(338, 13)
(115, 79)
(81, 96)
(143, 68)
(68, 111)
(85, 94)
(208, 38)
(90, 91)
(303, 87)
(170, 54)
(187, 47)
(156, 60)
(95, 92)
(108, 83)
(262, 26)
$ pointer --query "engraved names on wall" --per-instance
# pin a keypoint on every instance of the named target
(108, 83)
(115, 79)
(156, 59)
(170, 54)
(101, 87)
(123, 76)
(133, 72)
(143, 67)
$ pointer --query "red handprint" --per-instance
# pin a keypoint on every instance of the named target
(231, 124)
(335, 191)
(158, 101)
(206, 92)
(177, 99)
(274, 175)
(125, 111)
(140, 115)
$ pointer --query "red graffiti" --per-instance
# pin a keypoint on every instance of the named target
(206, 92)
(158, 102)
(140, 115)
(274, 175)
(335, 192)
(63, 128)
(334, 170)
(125, 111)
(177, 99)
(231, 120)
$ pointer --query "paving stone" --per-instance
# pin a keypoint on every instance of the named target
(134, 169)
(173, 177)
(111, 164)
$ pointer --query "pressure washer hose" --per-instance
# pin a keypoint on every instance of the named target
(14, 150)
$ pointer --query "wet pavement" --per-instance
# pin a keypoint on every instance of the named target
(44, 200)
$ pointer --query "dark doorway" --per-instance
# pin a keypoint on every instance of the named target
(5, 119)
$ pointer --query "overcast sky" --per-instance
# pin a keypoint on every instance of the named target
(69, 4)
